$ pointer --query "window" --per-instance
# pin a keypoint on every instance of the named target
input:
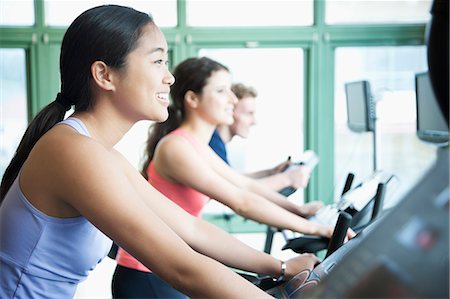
(63, 12)
(381, 12)
(13, 103)
(215, 13)
(17, 13)
(278, 132)
(390, 72)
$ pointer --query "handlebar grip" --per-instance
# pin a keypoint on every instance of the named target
(378, 202)
(339, 233)
(348, 183)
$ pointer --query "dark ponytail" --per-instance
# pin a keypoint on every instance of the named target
(105, 33)
(44, 121)
(190, 75)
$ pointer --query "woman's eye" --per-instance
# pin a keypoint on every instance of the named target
(162, 62)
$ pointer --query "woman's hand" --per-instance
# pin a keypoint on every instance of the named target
(350, 234)
(282, 166)
(300, 263)
(299, 176)
(327, 231)
(309, 209)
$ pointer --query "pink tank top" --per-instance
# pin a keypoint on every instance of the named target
(189, 199)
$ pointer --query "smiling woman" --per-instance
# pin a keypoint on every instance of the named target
(181, 165)
(54, 227)
(145, 70)
(57, 218)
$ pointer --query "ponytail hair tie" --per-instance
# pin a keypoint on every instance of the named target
(63, 101)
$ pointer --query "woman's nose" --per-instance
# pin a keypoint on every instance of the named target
(169, 79)
(234, 98)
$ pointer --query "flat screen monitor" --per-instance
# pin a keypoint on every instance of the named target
(431, 124)
(359, 106)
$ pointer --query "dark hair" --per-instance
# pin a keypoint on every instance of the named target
(105, 33)
(190, 75)
(437, 53)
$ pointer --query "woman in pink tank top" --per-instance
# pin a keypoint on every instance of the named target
(182, 166)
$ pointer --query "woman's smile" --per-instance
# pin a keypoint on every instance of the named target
(163, 97)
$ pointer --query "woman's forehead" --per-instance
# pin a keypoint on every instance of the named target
(219, 77)
(153, 39)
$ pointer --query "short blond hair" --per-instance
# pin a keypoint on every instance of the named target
(242, 91)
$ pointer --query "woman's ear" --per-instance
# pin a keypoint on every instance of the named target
(102, 75)
(191, 99)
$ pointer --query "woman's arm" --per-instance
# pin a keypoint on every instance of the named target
(92, 181)
(296, 177)
(177, 161)
(255, 186)
(212, 241)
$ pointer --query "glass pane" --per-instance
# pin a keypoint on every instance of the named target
(278, 132)
(379, 11)
(63, 12)
(390, 72)
(249, 13)
(13, 103)
(17, 13)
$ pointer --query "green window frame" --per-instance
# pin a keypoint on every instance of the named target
(319, 40)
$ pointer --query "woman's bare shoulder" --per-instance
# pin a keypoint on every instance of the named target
(57, 166)
(64, 141)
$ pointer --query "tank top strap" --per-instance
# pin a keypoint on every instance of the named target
(76, 124)
(191, 139)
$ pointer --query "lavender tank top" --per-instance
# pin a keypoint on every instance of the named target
(43, 256)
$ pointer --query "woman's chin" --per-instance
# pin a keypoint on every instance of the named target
(229, 121)
(162, 117)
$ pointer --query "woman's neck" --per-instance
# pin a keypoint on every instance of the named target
(107, 130)
(224, 133)
(202, 131)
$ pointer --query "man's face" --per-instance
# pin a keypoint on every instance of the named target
(244, 117)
